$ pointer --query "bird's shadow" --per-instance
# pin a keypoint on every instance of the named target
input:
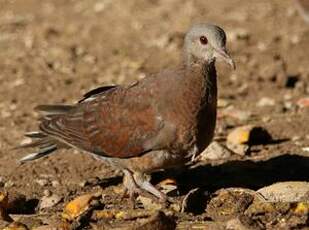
(237, 173)
(246, 174)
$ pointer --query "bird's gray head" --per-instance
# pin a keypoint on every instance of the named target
(205, 43)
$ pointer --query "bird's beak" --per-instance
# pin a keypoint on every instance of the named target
(223, 54)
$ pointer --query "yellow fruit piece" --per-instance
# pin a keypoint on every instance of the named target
(105, 214)
(120, 215)
(302, 208)
(239, 135)
(77, 206)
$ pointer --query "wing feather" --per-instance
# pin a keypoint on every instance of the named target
(114, 123)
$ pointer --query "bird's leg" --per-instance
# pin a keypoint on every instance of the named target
(137, 184)
(145, 185)
(130, 186)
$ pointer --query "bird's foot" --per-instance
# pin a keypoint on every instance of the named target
(136, 184)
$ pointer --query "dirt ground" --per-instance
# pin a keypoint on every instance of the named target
(54, 51)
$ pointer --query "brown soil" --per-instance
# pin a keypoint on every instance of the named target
(54, 51)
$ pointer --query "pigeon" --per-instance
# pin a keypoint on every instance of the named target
(161, 122)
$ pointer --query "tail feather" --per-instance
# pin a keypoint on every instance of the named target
(36, 134)
(44, 143)
(41, 153)
(50, 110)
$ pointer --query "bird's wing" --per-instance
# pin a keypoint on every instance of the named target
(117, 123)
(95, 92)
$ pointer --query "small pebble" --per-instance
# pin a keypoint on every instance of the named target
(266, 101)
(290, 191)
(49, 201)
(42, 182)
(215, 151)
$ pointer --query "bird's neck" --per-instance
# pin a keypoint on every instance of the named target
(202, 78)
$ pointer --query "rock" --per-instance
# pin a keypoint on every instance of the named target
(239, 149)
(215, 151)
(303, 102)
(80, 205)
(49, 201)
(228, 204)
(149, 204)
(286, 192)
(306, 149)
(222, 103)
(9, 184)
(157, 221)
(287, 105)
(278, 215)
(266, 101)
(241, 138)
(55, 183)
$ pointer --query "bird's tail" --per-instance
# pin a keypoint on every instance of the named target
(41, 141)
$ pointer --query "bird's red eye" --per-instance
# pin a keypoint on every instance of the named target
(203, 40)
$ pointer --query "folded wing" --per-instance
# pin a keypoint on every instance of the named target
(116, 122)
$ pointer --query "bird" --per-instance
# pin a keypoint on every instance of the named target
(162, 121)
